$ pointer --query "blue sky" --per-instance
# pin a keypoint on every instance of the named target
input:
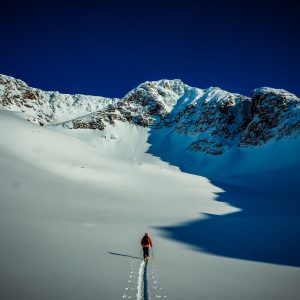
(108, 47)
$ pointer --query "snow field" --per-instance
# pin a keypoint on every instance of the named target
(69, 202)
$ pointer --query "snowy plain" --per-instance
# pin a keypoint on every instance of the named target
(75, 203)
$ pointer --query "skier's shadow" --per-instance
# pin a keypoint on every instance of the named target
(123, 255)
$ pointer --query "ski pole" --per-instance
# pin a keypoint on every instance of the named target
(140, 254)
(152, 253)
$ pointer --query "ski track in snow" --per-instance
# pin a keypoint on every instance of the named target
(140, 281)
(140, 287)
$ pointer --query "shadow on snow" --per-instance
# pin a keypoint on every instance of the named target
(267, 229)
(124, 255)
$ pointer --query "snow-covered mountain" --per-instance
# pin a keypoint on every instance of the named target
(80, 190)
(213, 120)
(42, 107)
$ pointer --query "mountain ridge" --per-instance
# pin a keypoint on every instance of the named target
(213, 119)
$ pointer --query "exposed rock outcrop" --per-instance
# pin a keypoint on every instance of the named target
(214, 119)
(275, 114)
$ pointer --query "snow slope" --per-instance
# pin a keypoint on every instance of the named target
(43, 107)
(74, 205)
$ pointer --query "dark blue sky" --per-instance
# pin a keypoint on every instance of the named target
(108, 47)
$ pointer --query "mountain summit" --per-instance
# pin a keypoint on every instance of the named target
(211, 120)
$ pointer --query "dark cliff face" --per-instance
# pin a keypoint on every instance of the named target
(17, 93)
(214, 119)
(275, 114)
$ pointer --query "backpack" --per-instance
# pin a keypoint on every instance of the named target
(145, 240)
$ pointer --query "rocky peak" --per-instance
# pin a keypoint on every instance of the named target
(144, 106)
(42, 107)
(155, 97)
(215, 118)
(275, 114)
(13, 91)
(212, 120)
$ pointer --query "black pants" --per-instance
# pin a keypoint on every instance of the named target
(146, 251)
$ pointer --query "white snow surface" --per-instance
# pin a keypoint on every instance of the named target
(75, 203)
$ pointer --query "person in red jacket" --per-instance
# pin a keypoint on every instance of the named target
(146, 243)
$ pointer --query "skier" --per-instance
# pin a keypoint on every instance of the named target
(146, 243)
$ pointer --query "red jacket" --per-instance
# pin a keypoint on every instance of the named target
(146, 242)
